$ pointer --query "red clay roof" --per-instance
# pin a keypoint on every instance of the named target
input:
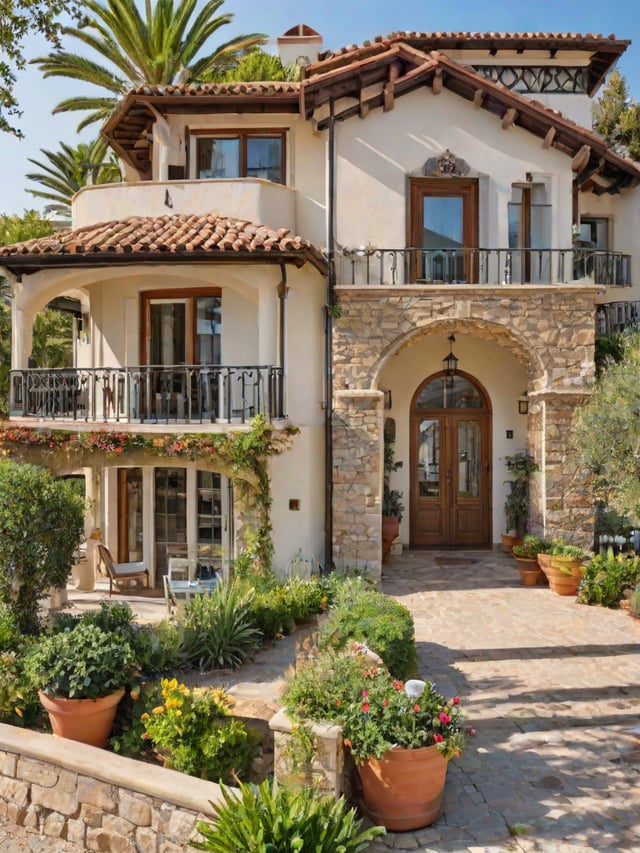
(170, 239)
(263, 89)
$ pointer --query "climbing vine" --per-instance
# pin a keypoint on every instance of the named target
(241, 454)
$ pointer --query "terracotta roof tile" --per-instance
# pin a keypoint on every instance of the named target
(220, 89)
(177, 236)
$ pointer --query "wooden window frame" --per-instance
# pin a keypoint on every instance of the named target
(243, 134)
(467, 189)
(187, 294)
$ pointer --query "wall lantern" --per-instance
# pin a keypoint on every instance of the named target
(523, 404)
(450, 362)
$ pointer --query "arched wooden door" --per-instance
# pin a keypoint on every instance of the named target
(450, 463)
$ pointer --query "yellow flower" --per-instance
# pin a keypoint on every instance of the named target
(145, 717)
(159, 709)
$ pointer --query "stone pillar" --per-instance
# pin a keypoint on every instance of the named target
(567, 498)
(357, 480)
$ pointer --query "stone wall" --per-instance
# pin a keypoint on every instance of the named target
(549, 330)
(96, 799)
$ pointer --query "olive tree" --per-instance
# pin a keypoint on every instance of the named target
(607, 436)
(41, 526)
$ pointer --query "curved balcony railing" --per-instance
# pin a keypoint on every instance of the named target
(391, 267)
(148, 394)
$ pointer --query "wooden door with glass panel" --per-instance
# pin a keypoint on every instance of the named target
(443, 230)
(450, 464)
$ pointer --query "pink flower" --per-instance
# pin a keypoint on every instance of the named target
(438, 738)
(365, 693)
(444, 718)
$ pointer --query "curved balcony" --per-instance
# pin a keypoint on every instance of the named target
(394, 267)
(182, 394)
(254, 199)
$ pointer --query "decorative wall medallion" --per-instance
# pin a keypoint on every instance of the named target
(447, 165)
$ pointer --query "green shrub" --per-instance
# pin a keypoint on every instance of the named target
(607, 577)
(41, 526)
(324, 685)
(634, 603)
(10, 637)
(216, 631)
(383, 624)
(286, 821)
(191, 731)
(306, 597)
(19, 703)
(271, 613)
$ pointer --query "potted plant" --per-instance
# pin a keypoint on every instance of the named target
(392, 506)
(80, 674)
(516, 505)
(401, 737)
(563, 567)
(526, 556)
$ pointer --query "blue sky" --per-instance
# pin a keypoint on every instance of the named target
(341, 22)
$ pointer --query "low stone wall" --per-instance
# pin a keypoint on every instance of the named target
(96, 799)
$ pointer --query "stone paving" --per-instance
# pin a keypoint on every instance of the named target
(551, 687)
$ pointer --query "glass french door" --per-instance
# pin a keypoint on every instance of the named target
(444, 229)
(450, 466)
(130, 532)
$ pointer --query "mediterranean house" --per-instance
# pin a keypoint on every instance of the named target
(416, 242)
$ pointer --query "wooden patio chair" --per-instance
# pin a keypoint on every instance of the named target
(121, 575)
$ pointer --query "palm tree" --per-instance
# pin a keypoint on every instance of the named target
(68, 170)
(160, 49)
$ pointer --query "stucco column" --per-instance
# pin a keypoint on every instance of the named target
(357, 479)
(21, 337)
(268, 324)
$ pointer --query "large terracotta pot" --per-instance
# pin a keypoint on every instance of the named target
(85, 720)
(403, 790)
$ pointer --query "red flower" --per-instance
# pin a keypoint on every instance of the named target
(438, 738)
(385, 702)
(365, 708)
(397, 685)
(118, 450)
(456, 700)
(445, 718)
(416, 707)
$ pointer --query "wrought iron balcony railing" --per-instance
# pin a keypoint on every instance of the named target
(149, 394)
(612, 317)
(389, 267)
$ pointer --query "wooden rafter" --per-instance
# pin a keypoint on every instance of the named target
(581, 159)
(478, 97)
(549, 136)
(509, 118)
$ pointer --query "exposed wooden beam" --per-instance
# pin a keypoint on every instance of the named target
(509, 118)
(581, 159)
(549, 136)
(436, 85)
(388, 102)
(478, 97)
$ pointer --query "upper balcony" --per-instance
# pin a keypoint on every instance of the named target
(148, 394)
(371, 266)
(252, 199)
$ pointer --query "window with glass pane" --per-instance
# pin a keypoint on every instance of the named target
(468, 458)
(208, 329)
(442, 220)
(168, 332)
(460, 394)
(429, 459)
(210, 516)
(219, 157)
(264, 158)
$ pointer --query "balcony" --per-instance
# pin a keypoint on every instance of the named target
(254, 199)
(395, 267)
(183, 394)
(615, 317)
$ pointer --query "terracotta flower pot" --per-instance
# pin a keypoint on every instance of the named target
(508, 541)
(390, 531)
(403, 790)
(530, 571)
(84, 720)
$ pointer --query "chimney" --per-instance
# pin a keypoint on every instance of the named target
(299, 46)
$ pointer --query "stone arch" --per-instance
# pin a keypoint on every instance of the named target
(505, 337)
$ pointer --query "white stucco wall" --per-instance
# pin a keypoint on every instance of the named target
(376, 156)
